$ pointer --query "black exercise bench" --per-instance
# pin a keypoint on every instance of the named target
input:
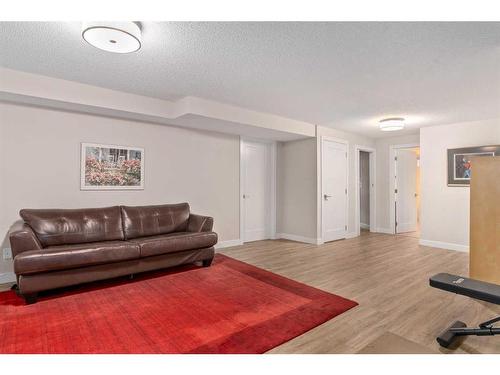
(471, 288)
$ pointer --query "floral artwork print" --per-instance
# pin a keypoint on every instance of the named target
(111, 167)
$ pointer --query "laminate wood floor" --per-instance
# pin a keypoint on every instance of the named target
(388, 276)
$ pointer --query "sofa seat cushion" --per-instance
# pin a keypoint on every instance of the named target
(74, 256)
(174, 242)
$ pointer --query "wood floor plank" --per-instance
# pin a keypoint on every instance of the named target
(388, 275)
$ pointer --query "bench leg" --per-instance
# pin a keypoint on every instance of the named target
(459, 329)
(448, 336)
(207, 262)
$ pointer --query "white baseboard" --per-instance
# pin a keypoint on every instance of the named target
(364, 226)
(293, 237)
(445, 245)
(228, 243)
(384, 230)
(8, 277)
(351, 235)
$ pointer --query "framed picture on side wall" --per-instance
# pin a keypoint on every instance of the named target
(460, 163)
(110, 167)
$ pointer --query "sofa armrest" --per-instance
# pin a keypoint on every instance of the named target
(22, 238)
(198, 223)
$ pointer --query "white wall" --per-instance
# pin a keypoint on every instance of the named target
(354, 140)
(296, 189)
(445, 210)
(384, 194)
(40, 166)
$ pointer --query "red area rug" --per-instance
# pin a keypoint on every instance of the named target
(230, 307)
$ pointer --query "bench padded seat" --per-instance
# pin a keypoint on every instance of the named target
(476, 289)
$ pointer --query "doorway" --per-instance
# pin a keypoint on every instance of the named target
(257, 190)
(365, 214)
(334, 192)
(406, 191)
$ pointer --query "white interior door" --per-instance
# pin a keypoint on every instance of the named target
(364, 189)
(406, 194)
(256, 190)
(334, 190)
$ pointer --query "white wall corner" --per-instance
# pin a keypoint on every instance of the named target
(228, 243)
(445, 245)
(8, 277)
(294, 237)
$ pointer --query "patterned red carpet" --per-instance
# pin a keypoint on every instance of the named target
(231, 307)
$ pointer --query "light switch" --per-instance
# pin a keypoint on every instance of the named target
(7, 253)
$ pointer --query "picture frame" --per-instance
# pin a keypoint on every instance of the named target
(460, 162)
(111, 167)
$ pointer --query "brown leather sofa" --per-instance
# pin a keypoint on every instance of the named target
(60, 247)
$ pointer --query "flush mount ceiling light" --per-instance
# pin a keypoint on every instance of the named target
(391, 124)
(118, 37)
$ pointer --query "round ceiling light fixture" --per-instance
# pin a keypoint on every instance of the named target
(392, 124)
(117, 37)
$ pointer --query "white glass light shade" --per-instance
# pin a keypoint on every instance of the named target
(392, 124)
(117, 37)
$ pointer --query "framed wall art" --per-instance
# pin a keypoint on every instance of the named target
(460, 164)
(110, 167)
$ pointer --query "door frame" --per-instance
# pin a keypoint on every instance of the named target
(392, 181)
(373, 188)
(320, 187)
(273, 154)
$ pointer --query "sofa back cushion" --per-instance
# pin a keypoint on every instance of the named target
(62, 226)
(142, 221)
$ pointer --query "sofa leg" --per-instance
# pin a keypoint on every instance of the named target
(131, 276)
(207, 262)
(30, 298)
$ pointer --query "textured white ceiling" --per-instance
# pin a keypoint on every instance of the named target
(343, 75)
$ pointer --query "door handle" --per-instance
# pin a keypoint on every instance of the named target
(326, 197)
